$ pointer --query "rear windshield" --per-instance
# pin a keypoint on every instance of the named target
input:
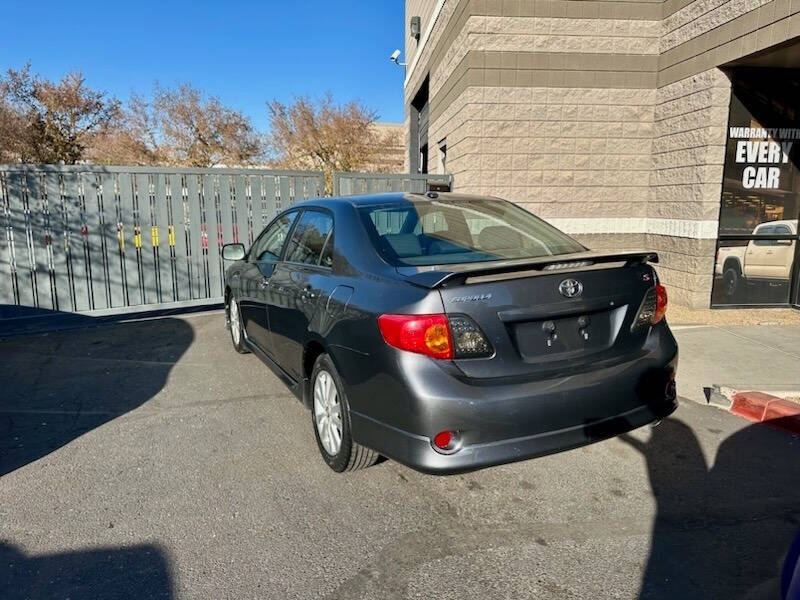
(436, 232)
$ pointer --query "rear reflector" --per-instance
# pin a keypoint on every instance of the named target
(443, 439)
(446, 442)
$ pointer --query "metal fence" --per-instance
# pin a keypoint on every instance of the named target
(89, 238)
(104, 240)
(347, 184)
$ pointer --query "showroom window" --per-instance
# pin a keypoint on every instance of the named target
(757, 243)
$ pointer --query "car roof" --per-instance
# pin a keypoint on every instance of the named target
(792, 223)
(391, 197)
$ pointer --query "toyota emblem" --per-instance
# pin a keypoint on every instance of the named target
(570, 288)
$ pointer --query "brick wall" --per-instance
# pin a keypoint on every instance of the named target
(691, 116)
(562, 152)
(607, 118)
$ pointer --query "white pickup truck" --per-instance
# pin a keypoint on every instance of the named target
(760, 261)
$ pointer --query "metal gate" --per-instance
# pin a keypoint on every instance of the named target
(347, 184)
(107, 239)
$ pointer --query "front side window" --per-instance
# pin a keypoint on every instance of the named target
(309, 237)
(267, 248)
(460, 231)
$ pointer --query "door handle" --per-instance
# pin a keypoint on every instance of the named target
(263, 283)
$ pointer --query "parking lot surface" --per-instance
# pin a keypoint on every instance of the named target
(148, 459)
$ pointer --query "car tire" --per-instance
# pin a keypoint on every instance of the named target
(234, 316)
(330, 418)
(730, 282)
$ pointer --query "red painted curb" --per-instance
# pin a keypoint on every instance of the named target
(763, 408)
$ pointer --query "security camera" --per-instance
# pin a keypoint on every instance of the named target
(395, 58)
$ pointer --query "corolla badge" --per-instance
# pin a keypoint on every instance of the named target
(570, 288)
(473, 298)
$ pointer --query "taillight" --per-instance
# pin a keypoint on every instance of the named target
(424, 334)
(652, 309)
(468, 339)
(437, 336)
(661, 303)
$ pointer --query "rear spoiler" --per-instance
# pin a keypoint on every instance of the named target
(460, 273)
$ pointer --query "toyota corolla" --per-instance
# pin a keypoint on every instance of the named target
(450, 332)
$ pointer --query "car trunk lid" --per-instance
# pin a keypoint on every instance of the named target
(548, 316)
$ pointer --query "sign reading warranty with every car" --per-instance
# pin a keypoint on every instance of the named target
(758, 149)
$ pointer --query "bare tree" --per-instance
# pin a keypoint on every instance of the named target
(202, 132)
(50, 122)
(14, 146)
(179, 127)
(131, 139)
(322, 135)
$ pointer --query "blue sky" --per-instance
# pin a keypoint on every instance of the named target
(244, 52)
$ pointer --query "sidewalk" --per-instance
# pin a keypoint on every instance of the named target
(744, 357)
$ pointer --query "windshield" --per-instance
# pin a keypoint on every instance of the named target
(417, 233)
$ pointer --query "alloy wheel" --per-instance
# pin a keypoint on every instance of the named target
(236, 331)
(328, 413)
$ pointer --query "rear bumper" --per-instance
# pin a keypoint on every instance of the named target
(416, 451)
(399, 415)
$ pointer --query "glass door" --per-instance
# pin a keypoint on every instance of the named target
(757, 246)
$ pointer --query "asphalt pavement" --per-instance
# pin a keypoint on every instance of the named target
(148, 459)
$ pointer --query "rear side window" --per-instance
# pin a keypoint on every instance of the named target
(327, 253)
(446, 231)
(309, 238)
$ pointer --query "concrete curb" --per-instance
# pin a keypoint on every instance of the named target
(759, 407)
(720, 396)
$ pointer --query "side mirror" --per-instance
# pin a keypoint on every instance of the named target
(233, 252)
(784, 242)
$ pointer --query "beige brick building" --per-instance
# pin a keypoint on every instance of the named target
(610, 119)
(392, 156)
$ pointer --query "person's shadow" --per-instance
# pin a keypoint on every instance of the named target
(57, 386)
(131, 572)
(722, 527)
